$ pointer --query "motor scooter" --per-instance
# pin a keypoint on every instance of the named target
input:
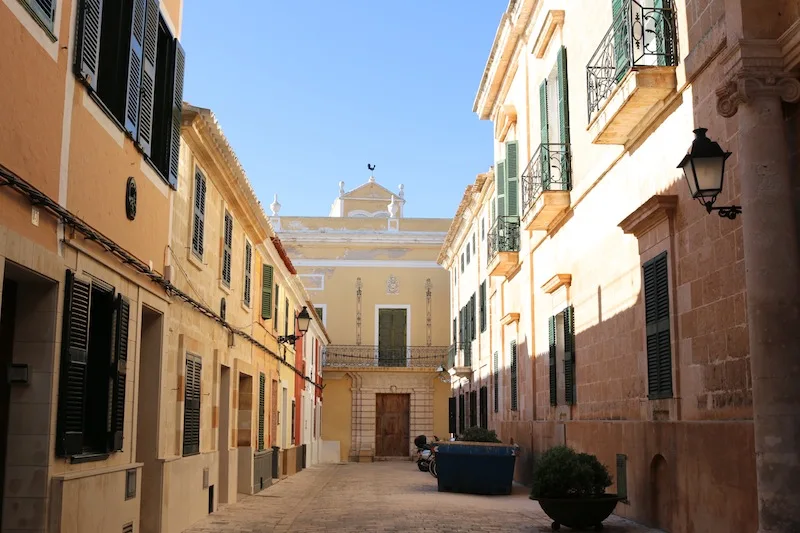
(424, 452)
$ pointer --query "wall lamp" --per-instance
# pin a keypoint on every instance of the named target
(303, 321)
(704, 168)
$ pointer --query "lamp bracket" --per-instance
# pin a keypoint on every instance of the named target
(724, 211)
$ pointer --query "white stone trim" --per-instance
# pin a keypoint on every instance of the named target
(407, 307)
(308, 287)
(39, 34)
(324, 312)
(365, 263)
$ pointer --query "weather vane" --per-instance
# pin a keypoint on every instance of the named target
(370, 167)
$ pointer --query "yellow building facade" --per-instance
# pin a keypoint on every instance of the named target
(374, 280)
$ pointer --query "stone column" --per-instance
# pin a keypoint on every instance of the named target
(772, 265)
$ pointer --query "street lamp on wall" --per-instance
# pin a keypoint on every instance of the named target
(303, 321)
(704, 169)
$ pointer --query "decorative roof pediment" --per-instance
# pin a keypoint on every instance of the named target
(370, 191)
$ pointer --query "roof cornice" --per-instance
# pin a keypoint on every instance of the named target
(512, 26)
(454, 235)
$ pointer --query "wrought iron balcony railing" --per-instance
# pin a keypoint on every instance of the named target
(346, 356)
(548, 170)
(503, 236)
(641, 35)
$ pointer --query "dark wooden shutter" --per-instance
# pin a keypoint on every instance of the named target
(473, 321)
(191, 406)
(622, 476)
(294, 415)
(74, 354)
(484, 409)
(659, 352)
(500, 184)
(148, 84)
(553, 369)
(563, 99)
(621, 37)
(512, 178)
(514, 377)
(473, 408)
(266, 291)
(199, 213)
(118, 373)
(45, 10)
(452, 414)
(262, 385)
(179, 64)
(87, 52)
(135, 54)
(461, 413)
(544, 129)
(569, 355)
(455, 331)
(496, 376)
(248, 272)
(482, 304)
(227, 247)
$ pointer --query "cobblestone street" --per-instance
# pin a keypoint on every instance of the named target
(382, 496)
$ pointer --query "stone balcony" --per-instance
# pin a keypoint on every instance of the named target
(503, 245)
(546, 186)
(337, 356)
(631, 76)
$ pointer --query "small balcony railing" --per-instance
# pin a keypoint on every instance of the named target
(359, 356)
(503, 236)
(548, 170)
(641, 35)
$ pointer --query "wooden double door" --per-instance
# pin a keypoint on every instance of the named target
(392, 416)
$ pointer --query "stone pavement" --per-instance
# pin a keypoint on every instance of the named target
(382, 497)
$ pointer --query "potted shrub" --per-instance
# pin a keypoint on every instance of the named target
(571, 488)
(477, 463)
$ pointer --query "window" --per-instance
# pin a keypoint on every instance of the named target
(484, 399)
(554, 124)
(43, 11)
(462, 262)
(508, 182)
(461, 413)
(455, 331)
(569, 355)
(483, 229)
(514, 377)
(656, 304)
(320, 314)
(91, 400)
(472, 321)
(496, 379)
(266, 292)
(291, 427)
(248, 270)
(483, 306)
(468, 253)
(227, 243)
(473, 408)
(553, 369)
(474, 245)
(262, 383)
(199, 213)
(562, 349)
(191, 405)
(277, 305)
(126, 56)
(286, 318)
(451, 412)
(130, 484)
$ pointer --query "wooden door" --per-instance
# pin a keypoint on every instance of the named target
(392, 337)
(392, 425)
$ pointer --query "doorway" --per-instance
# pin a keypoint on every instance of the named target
(223, 444)
(392, 336)
(283, 418)
(147, 419)
(392, 425)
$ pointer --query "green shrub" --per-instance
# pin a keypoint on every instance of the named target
(479, 434)
(561, 472)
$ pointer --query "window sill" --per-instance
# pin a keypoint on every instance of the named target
(247, 307)
(225, 288)
(88, 458)
(196, 261)
(190, 454)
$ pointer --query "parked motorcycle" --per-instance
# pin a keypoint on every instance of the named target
(425, 455)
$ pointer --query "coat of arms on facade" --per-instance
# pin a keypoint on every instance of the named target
(392, 285)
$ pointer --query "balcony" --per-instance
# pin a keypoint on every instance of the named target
(503, 245)
(546, 186)
(370, 356)
(631, 75)
(460, 367)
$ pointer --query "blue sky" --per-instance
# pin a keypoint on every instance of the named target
(310, 92)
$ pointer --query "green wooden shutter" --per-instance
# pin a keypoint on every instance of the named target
(483, 306)
(451, 414)
(621, 23)
(191, 406)
(569, 354)
(119, 373)
(87, 53)
(553, 369)
(563, 96)
(227, 249)
(266, 292)
(199, 214)
(74, 354)
(659, 352)
(484, 408)
(500, 183)
(135, 56)
(248, 273)
(496, 379)
(663, 18)
(514, 391)
(472, 320)
(262, 383)
(179, 64)
(148, 84)
(544, 129)
(512, 178)
(473, 408)
(276, 299)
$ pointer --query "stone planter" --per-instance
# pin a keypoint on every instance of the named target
(579, 513)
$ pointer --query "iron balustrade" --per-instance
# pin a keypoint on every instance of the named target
(361, 355)
(503, 236)
(642, 34)
(548, 170)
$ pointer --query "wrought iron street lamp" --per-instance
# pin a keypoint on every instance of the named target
(704, 168)
(303, 321)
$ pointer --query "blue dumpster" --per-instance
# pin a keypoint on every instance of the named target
(475, 467)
